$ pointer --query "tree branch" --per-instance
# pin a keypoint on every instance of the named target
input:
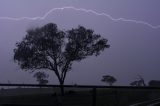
(65, 69)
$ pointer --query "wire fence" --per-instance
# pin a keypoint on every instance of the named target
(77, 95)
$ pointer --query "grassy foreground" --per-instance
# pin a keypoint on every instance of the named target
(77, 97)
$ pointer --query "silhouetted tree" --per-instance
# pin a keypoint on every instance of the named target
(49, 48)
(134, 83)
(109, 79)
(41, 77)
(154, 83)
(139, 82)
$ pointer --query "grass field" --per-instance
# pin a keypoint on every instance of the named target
(76, 97)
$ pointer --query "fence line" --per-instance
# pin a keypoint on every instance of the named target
(81, 86)
(93, 87)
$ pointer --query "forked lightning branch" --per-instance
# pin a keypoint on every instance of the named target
(81, 10)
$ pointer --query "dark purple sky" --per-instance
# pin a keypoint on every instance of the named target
(135, 47)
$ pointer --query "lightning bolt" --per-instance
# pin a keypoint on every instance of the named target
(82, 10)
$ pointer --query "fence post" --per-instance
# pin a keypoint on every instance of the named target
(94, 94)
(116, 97)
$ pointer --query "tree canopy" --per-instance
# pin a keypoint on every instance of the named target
(41, 77)
(48, 47)
(139, 82)
(109, 79)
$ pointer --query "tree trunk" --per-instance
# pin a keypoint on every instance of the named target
(61, 82)
(62, 88)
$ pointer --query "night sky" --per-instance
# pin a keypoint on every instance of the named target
(130, 26)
